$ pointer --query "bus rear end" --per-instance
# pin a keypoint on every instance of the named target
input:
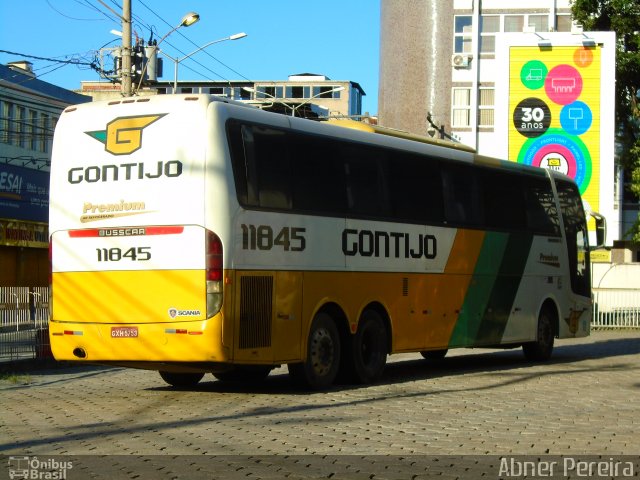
(135, 275)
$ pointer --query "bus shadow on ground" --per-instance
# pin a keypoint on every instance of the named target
(462, 362)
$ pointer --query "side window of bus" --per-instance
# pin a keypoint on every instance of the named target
(318, 175)
(462, 196)
(575, 228)
(238, 163)
(273, 172)
(366, 185)
(260, 166)
(504, 206)
(542, 214)
(415, 189)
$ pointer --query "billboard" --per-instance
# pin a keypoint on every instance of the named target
(554, 100)
(559, 109)
(24, 193)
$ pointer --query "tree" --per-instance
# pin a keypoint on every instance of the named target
(622, 17)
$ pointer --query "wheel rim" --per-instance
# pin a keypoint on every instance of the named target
(322, 352)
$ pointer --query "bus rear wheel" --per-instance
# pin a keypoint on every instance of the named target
(540, 350)
(181, 380)
(320, 368)
(369, 348)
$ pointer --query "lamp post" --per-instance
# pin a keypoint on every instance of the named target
(293, 109)
(177, 61)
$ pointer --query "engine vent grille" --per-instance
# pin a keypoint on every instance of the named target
(256, 302)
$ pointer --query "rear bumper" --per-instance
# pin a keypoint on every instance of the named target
(191, 341)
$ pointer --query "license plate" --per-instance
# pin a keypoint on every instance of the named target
(124, 332)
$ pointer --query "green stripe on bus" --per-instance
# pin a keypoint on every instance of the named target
(475, 303)
(505, 288)
(492, 290)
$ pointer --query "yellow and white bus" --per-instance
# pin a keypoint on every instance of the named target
(190, 234)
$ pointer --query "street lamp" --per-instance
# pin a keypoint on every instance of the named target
(293, 109)
(177, 61)
(188, 20)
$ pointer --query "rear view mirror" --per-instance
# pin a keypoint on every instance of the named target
(601, 229)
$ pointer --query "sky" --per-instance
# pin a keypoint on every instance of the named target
(336, 38)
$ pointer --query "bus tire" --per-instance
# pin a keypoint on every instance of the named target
(540, 350)
(244, 374)
(181, 380)
(320, 368)
(369, 348)
(434, 355)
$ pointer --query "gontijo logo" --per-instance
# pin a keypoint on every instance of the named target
(124, 134)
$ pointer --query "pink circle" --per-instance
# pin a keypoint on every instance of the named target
(563, 84)
(559, 149)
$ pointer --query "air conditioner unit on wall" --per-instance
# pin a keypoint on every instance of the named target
(460, 60)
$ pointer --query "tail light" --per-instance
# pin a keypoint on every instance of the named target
(214, 275)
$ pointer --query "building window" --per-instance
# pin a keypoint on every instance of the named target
(540, 22)
(461, 107)
(216, 91)
(513, 23)
(20, 121)
(486, 102)
(31, 130)
(4, 122)
(241, 93)
(489, 26)
(462, 33)
(325, 91)
(270, 91)
(563, 23)
(46, 133)
(186, 89)
(295, 92)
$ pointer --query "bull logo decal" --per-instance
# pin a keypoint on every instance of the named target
(123, 135)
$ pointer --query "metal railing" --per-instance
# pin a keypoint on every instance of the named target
(616, 308)
(24, 323)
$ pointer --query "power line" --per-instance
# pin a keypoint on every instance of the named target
(196, 45)
(72, 18)
(70, 62)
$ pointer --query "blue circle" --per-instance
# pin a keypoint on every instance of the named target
(576, 118)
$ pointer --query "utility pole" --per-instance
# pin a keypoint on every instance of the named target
(125, 69)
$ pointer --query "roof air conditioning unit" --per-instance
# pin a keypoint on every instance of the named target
(460, 60)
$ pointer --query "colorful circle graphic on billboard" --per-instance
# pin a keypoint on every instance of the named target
(559, 151)
(531, 117)
(576, 118)
(533, 74)
(583, 57)
(563, 84)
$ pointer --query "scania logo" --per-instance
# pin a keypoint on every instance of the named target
(124, 134)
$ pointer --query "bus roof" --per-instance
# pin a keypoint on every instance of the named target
(392, 132)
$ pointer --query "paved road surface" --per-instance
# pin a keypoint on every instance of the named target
(585, 401)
